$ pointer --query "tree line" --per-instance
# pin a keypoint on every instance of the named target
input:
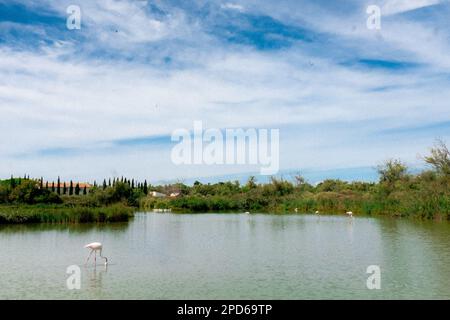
(398, 192)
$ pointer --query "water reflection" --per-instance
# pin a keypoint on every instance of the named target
(70, 228)
(229, 256)
(95, 276)
(350, 229)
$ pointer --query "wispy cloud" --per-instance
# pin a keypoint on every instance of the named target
(110, 94)
(399, 6)
(232, 6)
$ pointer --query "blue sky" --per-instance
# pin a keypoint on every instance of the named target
(104, 100)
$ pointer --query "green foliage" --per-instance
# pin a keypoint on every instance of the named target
(425, 195)
(58, 188)
(61, 214)
(391, 171)
(145, 189)
(439, 158)
(29, 192)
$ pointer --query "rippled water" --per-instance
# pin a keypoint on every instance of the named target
(229, 256)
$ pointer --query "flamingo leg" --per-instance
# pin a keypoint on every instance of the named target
(90, 254)
(95, 257)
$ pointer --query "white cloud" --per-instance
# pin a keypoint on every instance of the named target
(232, 6)
(56, 99)
(398, 6)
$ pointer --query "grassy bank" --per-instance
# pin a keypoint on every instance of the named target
(397, 205)
(63, 214)
(398, 193)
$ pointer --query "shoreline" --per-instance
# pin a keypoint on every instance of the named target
(118, 213)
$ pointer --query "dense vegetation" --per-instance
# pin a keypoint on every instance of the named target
(27, 200)
(397, 193)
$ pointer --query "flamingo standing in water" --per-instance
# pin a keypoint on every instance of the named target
(95, 246)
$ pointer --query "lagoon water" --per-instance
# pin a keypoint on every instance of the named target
(229, 256)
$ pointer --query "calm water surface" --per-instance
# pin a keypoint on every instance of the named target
(229, 256)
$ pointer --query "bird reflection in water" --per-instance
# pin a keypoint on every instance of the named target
(95, 276)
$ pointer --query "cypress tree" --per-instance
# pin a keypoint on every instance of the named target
(77, 189)
(84, 190)
(95, 183)
(53, 186)
(71, 188)
(132, 183)
(145, 187)
(64, 188)
(13, 182)
(58, 188)
(104, 184)
(109, 182)
(46, 185)
(41, 185)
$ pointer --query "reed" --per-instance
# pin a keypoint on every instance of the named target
(63, 214)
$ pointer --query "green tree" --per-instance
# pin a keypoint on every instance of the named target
(391, 171)
(12, 182)
(28, 192)
(58, 188)
(77, 189)
(104, 184)
(251, 183)
(71, 188)
(85, 190)
(4, 193)
(64, 188)
(145, 188)
(439, 158)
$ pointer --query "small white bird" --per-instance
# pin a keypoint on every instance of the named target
(95, 246)
(246, 212)
(349, 213)
(317, 212)
(296, 210)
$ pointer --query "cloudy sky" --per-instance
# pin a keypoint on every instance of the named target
(104, 100)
